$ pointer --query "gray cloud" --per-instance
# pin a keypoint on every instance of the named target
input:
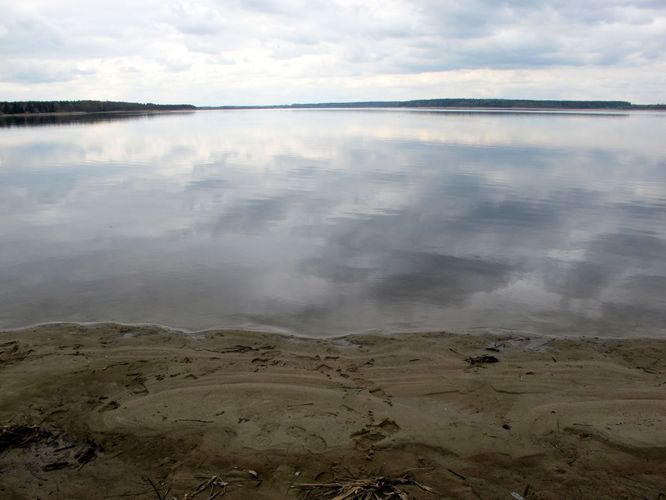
(24, 35)
(193, 19)
(292, 50)
(35, 73)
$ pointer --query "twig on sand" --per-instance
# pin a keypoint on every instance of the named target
(457, 474)
(160, 496)
(378, 488)
(213, 485)
(238, 348)
(216, 485)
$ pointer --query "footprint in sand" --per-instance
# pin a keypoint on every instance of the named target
(295, 431)
(265, 435)
(135, 383)
(388, 425)
(374, 433)
(111, 405)
(315, 443)
(311, 442)
(227, 435)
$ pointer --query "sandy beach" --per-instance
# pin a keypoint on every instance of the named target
(118, 411)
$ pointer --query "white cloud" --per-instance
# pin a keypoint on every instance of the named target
(269, 51)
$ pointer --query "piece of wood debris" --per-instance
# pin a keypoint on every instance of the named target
(378, 488)
(483, 359)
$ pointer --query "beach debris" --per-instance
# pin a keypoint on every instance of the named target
(87, 454)
(495, 347)
(253, 473)
(457, 474)
(214, 485)
(238, 348)
(377, 488)
(19, 436)
(368, 363)
(13, 352)
(160, 495)
(483, 359)
(517, 496)
(55, 466)
(53, 448)
(210, 487)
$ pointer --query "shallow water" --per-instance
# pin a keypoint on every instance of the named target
(327, 221)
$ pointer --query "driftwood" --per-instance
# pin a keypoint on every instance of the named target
(238, 348)
(18, 436)
(210, 488)
(483, 359)
(214, 485)
(378, 488)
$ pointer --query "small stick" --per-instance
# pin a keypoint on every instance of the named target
(159, 495)
(318, 485)
(456, 474)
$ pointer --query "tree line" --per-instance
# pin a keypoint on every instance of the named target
(33, 107)
(476, 103)
(41, 107)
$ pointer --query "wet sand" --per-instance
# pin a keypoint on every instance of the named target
(117, 411)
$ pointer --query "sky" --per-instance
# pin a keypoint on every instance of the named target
(226, 52)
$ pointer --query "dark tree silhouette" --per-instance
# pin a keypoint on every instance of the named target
(22, 107)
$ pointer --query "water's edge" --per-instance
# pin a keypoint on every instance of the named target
(500, 333)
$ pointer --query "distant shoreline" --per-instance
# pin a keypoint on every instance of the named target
(70, 108)
(89, 113)
(460, 109)
(480, 104)
(295, 108)
(15, 108)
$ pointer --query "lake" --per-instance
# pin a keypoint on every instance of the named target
(325, 222)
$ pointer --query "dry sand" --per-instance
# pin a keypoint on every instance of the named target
(101, 411)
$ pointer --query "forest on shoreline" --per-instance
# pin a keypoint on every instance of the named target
(519, 104)
(40, 107)
(90, 106)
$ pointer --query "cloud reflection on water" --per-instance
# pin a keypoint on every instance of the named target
(329, 222)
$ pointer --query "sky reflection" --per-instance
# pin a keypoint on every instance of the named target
(327, 222)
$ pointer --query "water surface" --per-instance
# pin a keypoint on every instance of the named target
(327, 221)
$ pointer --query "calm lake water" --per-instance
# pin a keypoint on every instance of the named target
(326, 222)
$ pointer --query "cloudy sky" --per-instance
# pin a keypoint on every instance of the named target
(284, 51)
